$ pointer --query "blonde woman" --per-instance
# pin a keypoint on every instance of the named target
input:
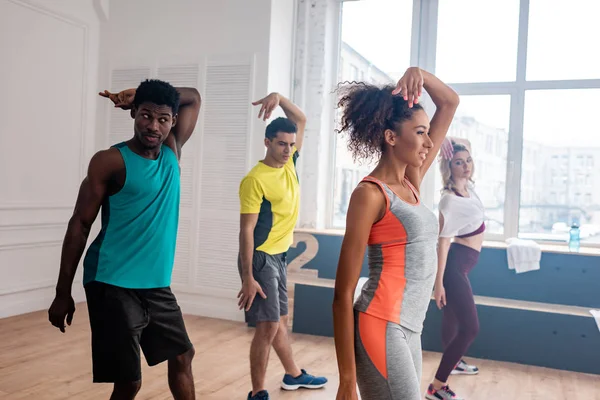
(461, 216)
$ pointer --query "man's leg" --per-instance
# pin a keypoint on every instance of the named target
(294, 378)
(259, 353)
(125, 390)
(181, 380)
(264, 314)
(283, 348)
(165, 338)
(116, 319)
(282, 344)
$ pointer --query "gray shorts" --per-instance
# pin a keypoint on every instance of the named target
(270, 271)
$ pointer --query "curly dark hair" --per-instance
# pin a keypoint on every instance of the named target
(367, 111)
(158, 92)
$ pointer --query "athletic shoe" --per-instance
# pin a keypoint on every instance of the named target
(262, 395)
(462, 368)
(442, 394)
(305, 380)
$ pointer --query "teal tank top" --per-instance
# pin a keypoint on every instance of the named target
(136, 244)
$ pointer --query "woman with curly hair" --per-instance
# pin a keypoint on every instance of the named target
(378, 339)
(461, 217)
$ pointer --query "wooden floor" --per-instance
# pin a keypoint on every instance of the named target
(38, 362)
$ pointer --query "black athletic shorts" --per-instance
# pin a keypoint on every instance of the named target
(123, 320)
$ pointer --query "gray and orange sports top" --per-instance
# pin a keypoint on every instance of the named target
(402, 261)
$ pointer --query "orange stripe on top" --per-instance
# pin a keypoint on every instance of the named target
(390, 235)
(372, 332)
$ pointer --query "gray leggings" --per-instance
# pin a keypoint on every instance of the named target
(388, 359)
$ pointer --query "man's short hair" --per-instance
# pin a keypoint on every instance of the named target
(280, 125)
(158, 92)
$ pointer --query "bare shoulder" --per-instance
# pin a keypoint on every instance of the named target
(367, 192)
(368, 201)
(106, 162)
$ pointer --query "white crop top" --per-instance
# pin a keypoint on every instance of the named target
(462, 215)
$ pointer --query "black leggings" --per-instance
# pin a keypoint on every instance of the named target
(460, 324)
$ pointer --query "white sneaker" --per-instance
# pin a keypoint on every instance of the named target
(462, 368)
(445, 393)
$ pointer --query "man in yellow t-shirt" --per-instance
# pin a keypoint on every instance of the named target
(269, 203)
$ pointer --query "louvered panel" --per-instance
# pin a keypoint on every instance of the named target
(180, 75)
(222, 173)
(187, 181)
(120, 122)
(181, 268)
(224, 155)
(218, 249)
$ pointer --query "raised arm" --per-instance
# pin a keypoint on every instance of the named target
(366, 205)
(446, 102)
(189, 109)
(291, 110)
(92, 192)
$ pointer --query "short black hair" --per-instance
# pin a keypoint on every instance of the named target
(158, 92)
(280, 125)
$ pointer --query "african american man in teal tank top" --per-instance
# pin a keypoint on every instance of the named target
(127, 268)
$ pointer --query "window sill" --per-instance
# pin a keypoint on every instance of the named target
(493, 244)
(548, 248)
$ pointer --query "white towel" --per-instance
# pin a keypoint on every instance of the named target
(596, 315)
(523, 255)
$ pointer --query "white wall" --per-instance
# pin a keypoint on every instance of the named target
(281, 46)
(48, 109)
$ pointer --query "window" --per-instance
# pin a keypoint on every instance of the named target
(552, 50)
(353, 73)
(559, 134)
(529, 87)
(376, 40)
(477, 40)
(550, 152)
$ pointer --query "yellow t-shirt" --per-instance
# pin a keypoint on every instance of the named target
(273, 194)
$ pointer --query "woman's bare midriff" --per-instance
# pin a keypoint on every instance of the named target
(474, 242)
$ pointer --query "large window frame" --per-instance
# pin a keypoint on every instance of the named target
(423, 54)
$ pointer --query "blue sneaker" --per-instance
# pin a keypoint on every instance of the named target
(262, 395)
(303, 381)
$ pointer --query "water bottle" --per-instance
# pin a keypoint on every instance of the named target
(574, 238)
